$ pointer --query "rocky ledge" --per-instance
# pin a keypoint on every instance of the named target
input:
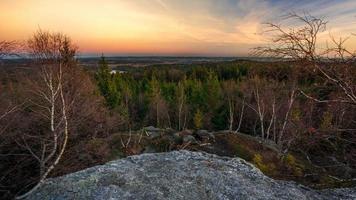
(178, 175)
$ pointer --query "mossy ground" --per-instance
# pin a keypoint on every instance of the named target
(292, 166)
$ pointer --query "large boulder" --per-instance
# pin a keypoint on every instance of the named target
(178, 175)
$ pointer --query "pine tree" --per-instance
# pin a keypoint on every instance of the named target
(106, 85)
(213, 91)
(155, 98)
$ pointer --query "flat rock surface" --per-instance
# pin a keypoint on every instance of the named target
(178, 175)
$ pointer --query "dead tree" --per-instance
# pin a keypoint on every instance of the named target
(293, 43)
(300, 44)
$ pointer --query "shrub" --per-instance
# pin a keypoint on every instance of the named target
(162, 145)
(267, 168)
(116, 153)
(292, 165)
(98, 148)
(242, 152)
(326, 122)
(198, 119)
(115, 140)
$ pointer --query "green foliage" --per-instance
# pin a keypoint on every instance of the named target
(170, 96)
(155, 95)
(168, 92)
(107, 86)
(220, 118)
(213, 90)
(196, 95)
(154, 88)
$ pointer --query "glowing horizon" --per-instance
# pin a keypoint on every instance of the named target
(164, 27)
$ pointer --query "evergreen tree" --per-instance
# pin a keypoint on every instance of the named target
(125, 90)
(106, 84)
(155, 98)
(213, 91)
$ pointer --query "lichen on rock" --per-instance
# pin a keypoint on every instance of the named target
(178, 175)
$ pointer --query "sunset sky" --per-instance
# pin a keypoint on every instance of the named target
(165, 27)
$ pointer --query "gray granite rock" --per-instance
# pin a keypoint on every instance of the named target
(190, 139)
(152, 129)
(178, 175)
(153, 132)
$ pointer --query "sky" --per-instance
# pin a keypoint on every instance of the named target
(166, 27)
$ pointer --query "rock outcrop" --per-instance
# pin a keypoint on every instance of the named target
(178, 175)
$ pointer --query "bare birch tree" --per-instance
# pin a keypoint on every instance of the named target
(260, 106)
(272, 102)
(52, 52)
(241, 115)
(333, 62)
(230, 93)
